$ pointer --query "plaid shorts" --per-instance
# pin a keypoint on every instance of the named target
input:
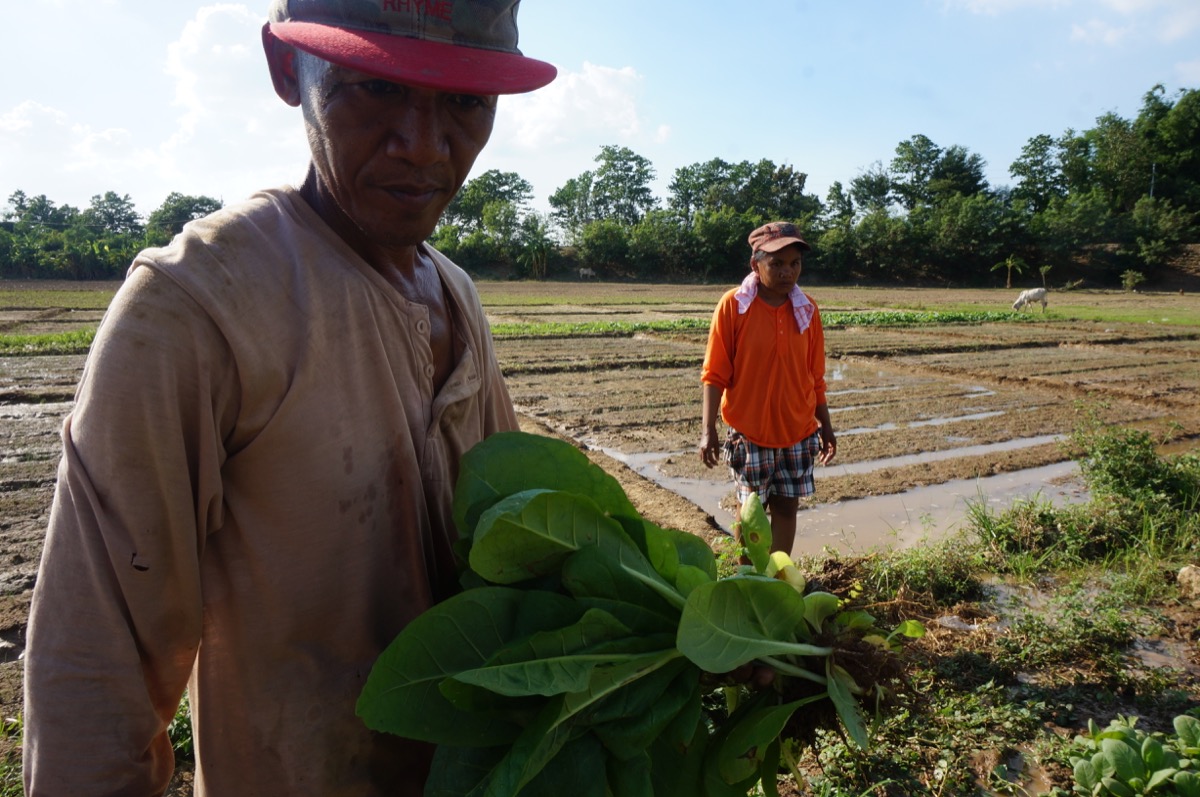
(771, 471)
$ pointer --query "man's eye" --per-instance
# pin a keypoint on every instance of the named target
(469, 100)
(380, 86)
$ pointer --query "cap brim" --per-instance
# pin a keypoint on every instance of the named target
(779, 243)
(436, 65)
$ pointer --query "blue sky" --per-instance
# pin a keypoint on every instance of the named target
(144, 98)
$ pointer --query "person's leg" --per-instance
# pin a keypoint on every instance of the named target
(747, 468)
(792, 480)
(783, 511)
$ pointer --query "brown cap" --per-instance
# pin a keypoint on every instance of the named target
(775, 235)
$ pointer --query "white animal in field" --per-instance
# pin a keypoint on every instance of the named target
(1031, 296)
(587, 273)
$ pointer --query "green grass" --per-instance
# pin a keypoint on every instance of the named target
(57, 343)
(34, 299)
(833, 318)
(1089, 584)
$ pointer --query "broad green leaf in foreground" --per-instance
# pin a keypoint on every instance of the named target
(839, 683)
(512, 462)
(731, 622)
(557, 661)
(742, 750)
(532, 533)
(597, 580)
(401, 695)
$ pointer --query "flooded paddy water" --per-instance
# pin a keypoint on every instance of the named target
(930, 419)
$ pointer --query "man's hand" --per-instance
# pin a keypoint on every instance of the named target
(828, 445)
(710, 448)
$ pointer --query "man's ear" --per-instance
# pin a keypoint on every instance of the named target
(281, 60)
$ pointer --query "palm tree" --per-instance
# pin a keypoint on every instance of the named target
(1011, 263)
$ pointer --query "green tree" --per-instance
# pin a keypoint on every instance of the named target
(604, 245)
(957, 171)
(167, 220)
(467, 207)
(571, 206)
(536, 246)
(1171, 130)
(110, 214)
(621, 189)
(663, 245)
(1039, 172)
(872, 190)
(913, 168)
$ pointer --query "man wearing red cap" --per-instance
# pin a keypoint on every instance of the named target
(255, 491)
(764, 369)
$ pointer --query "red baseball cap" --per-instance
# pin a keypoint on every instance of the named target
(467, 46)
(775, 235)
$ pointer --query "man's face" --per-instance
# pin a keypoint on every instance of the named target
(778, 271)
(388, 157)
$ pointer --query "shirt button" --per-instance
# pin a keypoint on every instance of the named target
(429, 371)
(422, 326)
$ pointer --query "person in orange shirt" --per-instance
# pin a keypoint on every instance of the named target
(765, 369)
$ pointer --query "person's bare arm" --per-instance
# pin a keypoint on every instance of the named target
(828, 438)
(710, 440)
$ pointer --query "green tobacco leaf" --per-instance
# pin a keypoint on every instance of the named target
(598, 580)
(768, 775)
(512, 462)
(579, 770)
(755, 530)
(1187, 784)
(530, 533)
(668, 550)
(1086, 775)
(819, 607)
(630, 777)
(460, 771)
(402, 694)
(1188, 730)
(677, 760)
(744, 748)
(1126, 760)
(839, 683)
(538, 743)
(638, 714)
(733, 621)
(553, 662)
(688, 578)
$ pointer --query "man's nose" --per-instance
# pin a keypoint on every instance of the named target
(418, 132)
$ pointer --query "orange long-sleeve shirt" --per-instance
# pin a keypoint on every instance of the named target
(772, 374)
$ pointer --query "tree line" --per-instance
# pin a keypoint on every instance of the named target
(1120, 198)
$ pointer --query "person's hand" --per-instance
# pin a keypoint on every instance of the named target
(828, 446)
(710, 448)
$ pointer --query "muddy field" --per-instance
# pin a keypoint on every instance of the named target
(915, 408)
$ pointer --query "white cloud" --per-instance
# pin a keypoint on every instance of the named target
(55, 155)
(1098, 32)
(225, 135)
(231, 119)
(1166, 20)
(598, 100)
(994, 7)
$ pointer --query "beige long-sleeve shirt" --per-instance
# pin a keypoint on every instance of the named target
(254, 498)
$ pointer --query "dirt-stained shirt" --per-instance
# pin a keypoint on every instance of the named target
(254, 499)
(772, 374)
